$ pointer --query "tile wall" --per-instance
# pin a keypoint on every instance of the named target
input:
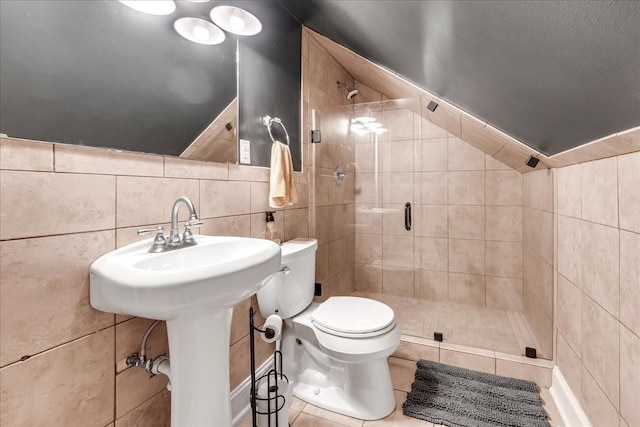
(465, 245)
(597, 274)
(62, 206)
(538, 233)
(332, 208)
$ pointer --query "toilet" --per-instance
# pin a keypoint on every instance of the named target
(334, 353)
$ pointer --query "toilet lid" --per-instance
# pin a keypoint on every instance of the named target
(353, 315)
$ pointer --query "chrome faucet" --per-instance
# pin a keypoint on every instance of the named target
(173, 241)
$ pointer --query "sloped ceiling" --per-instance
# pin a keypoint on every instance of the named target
(554, 75)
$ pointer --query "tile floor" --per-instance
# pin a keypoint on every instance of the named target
(462, 324)
(303, 414)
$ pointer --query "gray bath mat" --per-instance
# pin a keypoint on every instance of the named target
(458, 397)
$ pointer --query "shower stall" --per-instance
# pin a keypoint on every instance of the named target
(410, 215)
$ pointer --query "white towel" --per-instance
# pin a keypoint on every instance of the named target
(282, 189)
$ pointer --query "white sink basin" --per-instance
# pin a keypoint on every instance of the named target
(217, 272)
(194, 289)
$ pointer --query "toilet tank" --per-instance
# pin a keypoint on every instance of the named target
(290, 291)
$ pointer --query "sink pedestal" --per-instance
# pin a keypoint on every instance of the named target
(199, 353)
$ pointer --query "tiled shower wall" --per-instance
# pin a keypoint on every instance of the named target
(331, 206)
(466, 242)
(62, 362)
(538, 234)
(597, 271)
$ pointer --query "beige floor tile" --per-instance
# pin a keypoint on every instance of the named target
(397, 418)
(402, 373)
(344, 420)
(307, 420)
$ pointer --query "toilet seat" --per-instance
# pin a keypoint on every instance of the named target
(353, 317)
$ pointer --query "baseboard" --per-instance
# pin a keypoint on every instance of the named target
(240, 405)
(566, 402)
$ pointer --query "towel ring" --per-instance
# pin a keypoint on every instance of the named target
(268, 121)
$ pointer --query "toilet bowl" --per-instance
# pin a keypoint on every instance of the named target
(334, 353)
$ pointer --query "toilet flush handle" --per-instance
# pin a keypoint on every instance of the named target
(285, 270)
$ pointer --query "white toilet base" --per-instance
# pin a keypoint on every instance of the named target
(365, 393)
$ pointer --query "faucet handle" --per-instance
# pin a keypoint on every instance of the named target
(159, 242)
(157, 230)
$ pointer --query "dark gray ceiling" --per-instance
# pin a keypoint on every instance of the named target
(553, 74)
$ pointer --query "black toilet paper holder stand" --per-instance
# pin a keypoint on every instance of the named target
(275, 402)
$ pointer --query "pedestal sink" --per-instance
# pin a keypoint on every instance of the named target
(194, 289)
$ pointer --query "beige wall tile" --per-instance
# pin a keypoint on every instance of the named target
(20, 154)
(570, 191)
(570, 366)
(400, 124)
(133, 387)
(486, 139)
(155, 412)
(504, 223)
(366, 159)
(538, 374)
(368, 278)
(466, 188)
(397, 251)
(504, 259)
(600, 265)
(239, 353)
(435, 285)
(595, 403)
(468, 360)
(539, 232)
(444, 117)
(248, 173)
(467, 289)
(434, 221)
(129, 336)
(224, 198)
(435, 254)
(493, 164)
(601, 348)
(79, 159)
(393, 219)
(538, 190)
(434, 188)
(397, 187)
(87, 203)
(538, 280)
(466, 222)
(296, 224)
(239, 225)
(397, 156)
(599, 191)
(629, 280)
(368, 219)
(397, 281)
(368, 248)
(629, 376)
(147, 201)
(629, 191)
(175, 167)
(504, 293)
(434, 154)
(429, 130)
(467, 256)
(515, 155)
(504, 187)
(463, 157)
(73, 384)
(568, 320)
(570, 249)
(51, 273)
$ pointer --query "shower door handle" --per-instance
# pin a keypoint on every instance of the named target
(407, 216)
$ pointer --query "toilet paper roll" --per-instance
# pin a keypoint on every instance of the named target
(273, 328)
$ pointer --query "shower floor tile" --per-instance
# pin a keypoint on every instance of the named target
(487, 328)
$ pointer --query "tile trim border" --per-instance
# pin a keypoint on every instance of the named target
(568, 405)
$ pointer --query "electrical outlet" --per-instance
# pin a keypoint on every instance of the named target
(245, 151)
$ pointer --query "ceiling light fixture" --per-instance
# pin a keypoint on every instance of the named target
(235, 20)
(152, 7)
(199, 31)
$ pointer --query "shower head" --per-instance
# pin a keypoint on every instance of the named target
(350, 92)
